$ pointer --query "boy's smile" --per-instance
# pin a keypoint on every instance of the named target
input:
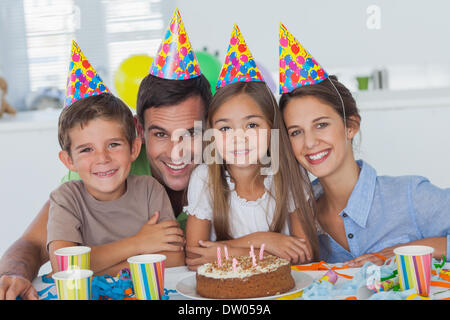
(102, 156)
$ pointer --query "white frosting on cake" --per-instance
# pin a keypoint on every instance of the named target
(244, 267)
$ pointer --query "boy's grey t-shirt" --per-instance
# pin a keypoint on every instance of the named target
(77, 216)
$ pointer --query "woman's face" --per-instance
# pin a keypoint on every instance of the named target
(317, 135)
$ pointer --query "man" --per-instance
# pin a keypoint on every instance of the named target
(163, 107)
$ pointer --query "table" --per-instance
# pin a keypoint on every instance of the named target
(173, 275)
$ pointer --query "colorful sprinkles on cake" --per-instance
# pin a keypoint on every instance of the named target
(297, 66)
(241, 266)
(83, 81)
(175, 59)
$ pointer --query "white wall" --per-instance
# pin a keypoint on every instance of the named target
(29, 169)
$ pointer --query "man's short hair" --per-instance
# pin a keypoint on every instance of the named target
(105, 106)
(157, 92)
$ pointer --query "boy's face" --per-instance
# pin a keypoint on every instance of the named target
(102, 156)
(162, 124)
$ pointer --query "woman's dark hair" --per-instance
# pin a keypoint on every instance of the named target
(326, 92)
(156, 92)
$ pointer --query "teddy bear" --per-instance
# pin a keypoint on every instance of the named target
(5, 107)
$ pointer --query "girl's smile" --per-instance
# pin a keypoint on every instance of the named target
(242, 136)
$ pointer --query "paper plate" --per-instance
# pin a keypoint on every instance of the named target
(187, 287)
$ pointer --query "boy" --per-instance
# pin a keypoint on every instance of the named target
(113, 213)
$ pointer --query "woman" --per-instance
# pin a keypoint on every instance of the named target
(362, 216)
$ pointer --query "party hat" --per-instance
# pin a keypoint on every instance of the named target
(83, 81)
(239, 64)
(297, 66)
(175, 59)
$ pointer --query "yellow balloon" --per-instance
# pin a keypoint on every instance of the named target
(129, 75)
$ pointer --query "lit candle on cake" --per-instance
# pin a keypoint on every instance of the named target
(261, 251)
(219, 257)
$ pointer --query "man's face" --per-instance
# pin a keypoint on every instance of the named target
(167, 130)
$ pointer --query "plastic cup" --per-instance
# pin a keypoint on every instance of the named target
(147, 275)
(74, 284)
(77, 257)
(414, 268)
(363, 83)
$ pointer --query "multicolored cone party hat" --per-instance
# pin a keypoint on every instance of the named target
(239, 64)
(175, 59)
(83, 81)
(297, 66)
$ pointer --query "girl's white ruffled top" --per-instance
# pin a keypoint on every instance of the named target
(245, 217)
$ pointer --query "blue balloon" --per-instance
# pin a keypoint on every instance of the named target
(232, 55)
(288, 58)
(313, 74)
(304, 73)
(191, 68)
(77, 94)
(78, 72)
(288, 73)
(252, 73)
(252, 63)
(243, 69)
(101, 87)
(92, 85)
(183, 64)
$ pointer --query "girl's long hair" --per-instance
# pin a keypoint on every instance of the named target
(291, 181)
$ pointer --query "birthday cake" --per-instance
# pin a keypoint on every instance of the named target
(240, 277)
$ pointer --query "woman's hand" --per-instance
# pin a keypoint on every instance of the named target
(377, 258)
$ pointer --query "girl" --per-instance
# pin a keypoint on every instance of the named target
(363, 216)
(231, 201)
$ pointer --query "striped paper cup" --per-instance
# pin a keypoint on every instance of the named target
(77, 257)
(414, 268)
(147, 275)
(74, 284)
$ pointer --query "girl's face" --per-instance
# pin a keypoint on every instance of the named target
(317, 135)
(242, 133)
